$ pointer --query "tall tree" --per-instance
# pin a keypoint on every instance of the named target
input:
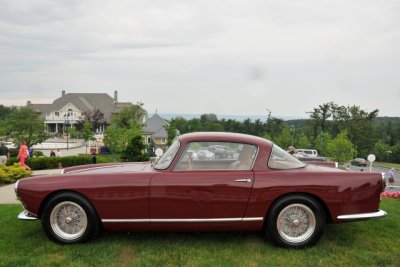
(87, 132)
(340, 148)
(125, 131)
(95, 118)
(24, 124)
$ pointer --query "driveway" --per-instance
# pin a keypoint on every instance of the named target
(7, 194)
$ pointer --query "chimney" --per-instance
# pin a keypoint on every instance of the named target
(28, 103)
(63, 93)
(115, 96)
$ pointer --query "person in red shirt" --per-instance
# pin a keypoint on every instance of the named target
(23, 154)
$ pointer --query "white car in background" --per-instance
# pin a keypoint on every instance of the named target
(205, 154)
(312, 153)
(10, 144)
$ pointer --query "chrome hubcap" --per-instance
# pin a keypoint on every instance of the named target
(68, 220)
(296, 223)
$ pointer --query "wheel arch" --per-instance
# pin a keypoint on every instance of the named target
(52, 194)
(328, 216)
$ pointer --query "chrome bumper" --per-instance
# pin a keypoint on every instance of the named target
(25, 215)
(363, 216)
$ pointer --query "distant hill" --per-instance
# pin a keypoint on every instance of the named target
(298, 122)
(169, 116)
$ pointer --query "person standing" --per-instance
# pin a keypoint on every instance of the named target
(52, 153)
(23, 154)
(390, 175)
(4, 154)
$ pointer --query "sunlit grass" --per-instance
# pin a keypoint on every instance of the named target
(367, 243)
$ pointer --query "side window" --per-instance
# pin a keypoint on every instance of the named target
(200, 156)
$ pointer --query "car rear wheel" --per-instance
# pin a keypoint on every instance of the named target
(69, 218)
(295, 221)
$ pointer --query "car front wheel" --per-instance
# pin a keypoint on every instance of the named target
(295, 221)
(69, 218)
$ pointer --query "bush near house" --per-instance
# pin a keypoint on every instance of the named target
(10, 174)
(43, 163)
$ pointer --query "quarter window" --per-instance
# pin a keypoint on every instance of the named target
(280, 159)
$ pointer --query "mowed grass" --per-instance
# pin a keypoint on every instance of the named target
(367, 243)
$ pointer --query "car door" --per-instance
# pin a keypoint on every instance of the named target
(203, 190)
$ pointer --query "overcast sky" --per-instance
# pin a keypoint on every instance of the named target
(225, 57)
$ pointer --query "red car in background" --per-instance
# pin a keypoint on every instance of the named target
(259, 187)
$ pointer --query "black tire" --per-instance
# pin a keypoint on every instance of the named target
(302, 222)
(80, 225)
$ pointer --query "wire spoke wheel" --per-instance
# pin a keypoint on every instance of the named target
(68, 220)
(296, 223)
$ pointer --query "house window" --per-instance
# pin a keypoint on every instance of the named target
(70, 112)
(163, 140)
(148, 139)
(57, 113)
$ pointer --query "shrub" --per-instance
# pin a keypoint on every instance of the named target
(10, 174)
(13, 152)
(38, 153)
(44, 163)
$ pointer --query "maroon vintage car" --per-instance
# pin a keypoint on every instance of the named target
(260, 187)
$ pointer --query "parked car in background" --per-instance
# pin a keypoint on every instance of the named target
(319, 161)
(359, 162)
(205, 154)
(306, 152)
(10, 144)
(261, 188)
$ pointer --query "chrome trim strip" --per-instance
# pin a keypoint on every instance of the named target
(16, 187)
(25, 215)
(253, 219)
(249, 219)
(363, 216)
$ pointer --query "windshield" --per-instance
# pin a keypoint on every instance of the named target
(168, 156)
(282, 160)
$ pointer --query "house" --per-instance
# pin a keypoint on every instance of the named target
(155, 131)
(70, 109)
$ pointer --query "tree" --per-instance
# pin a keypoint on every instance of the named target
(303, 142)
(284, 140)
(4, 111)
(94, 117)
(134, 150)
(124, 132)
(382, 151)
(128, 114)
(87, 132)
(341, 149)
(117, 138)
(24, 124)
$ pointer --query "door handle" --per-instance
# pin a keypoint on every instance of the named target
(246, 180)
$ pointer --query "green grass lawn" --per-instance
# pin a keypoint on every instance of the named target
(389, 165)
(367, 243)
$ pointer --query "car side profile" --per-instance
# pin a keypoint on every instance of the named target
(259, 187)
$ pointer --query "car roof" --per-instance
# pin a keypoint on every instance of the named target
(224, 137)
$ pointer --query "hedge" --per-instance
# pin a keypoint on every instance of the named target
(43, 163)
(10, 174)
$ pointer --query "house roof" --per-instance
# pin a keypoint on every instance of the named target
(85, 102)
(42, 108)
(156, 126)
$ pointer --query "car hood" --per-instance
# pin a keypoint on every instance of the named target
(109, 168)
